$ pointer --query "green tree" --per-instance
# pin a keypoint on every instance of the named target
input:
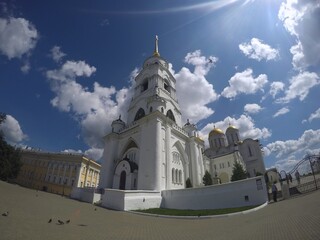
(207, 179)
(10, 162)
(238, 173)
(188, 183)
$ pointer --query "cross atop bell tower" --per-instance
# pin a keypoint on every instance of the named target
(156, 47)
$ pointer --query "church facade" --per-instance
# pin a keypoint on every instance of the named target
(149, 156)
(226, 149)
(152, 149)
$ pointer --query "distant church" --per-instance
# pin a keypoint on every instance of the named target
(226, 149)
(153, 150)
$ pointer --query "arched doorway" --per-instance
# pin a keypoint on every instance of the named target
(123, 176)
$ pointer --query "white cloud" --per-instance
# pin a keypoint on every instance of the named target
(193, 90)
(252, 108)
(282, 111)
(258, 50)
(289, 152)
(95, 110)
(245, 124)
(105, 22)
(244, 82)
(300, 86)
(12, 131)
(17, 37)
(298, 58)
(72, 151)
(57, 54)
(275, 88)
(94, 153)
(70, 70)
(301, 18)
(26, 67)
(315, 115)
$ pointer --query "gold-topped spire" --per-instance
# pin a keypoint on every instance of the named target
(156, 49)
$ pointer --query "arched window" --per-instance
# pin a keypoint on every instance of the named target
(180, 176)
(166, 87)
(177, 176)
(139, 114)
(250, 152)
(172, 173)
(162, 110)
(170, 115)
(144, 86)
(150, 109)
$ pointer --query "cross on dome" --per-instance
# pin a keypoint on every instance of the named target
(156, 48)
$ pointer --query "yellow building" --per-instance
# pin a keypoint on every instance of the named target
(57, 172)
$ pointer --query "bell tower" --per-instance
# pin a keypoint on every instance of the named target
(155, 90)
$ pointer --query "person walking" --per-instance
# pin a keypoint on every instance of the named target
(274, 191)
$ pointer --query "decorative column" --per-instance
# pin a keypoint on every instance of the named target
(168, 157)
(157, 156)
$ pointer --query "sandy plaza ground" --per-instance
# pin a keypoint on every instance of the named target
(30, 210)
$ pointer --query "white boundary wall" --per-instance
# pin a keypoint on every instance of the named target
(248, 192)
(85, 195)
(130, 199)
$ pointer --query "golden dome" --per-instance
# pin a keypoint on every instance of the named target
(232, 127)
(215, 131)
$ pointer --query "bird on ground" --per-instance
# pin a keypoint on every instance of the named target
(5, 214)
(68, 221)
(50, 220)
(60, 222)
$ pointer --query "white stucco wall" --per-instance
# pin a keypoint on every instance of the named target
(227, 195)
(130, 200)
(85, 195)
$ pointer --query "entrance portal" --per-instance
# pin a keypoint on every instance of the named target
(123, 176)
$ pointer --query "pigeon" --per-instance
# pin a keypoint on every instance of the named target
(68, 221)
(60, 222)
(50, 220)
(5, 214)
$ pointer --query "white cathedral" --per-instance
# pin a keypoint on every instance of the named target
(153, 149)
(149, 157)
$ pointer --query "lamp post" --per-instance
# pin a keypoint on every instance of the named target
(311, 165)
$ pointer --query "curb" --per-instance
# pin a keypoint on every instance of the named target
(202, 217)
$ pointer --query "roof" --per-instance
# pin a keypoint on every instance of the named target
(215, 131)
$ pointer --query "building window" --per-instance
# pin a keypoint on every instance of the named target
(150, 110)
(177, 176)
(250, 152)
(228, 164)
(173, 180)
(140, 114)
(72, 182)
(170, 115)
(144, 86)
(166, 87)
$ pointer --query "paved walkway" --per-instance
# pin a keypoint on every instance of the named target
(29, 212)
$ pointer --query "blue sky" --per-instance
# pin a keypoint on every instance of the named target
(67, 69)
